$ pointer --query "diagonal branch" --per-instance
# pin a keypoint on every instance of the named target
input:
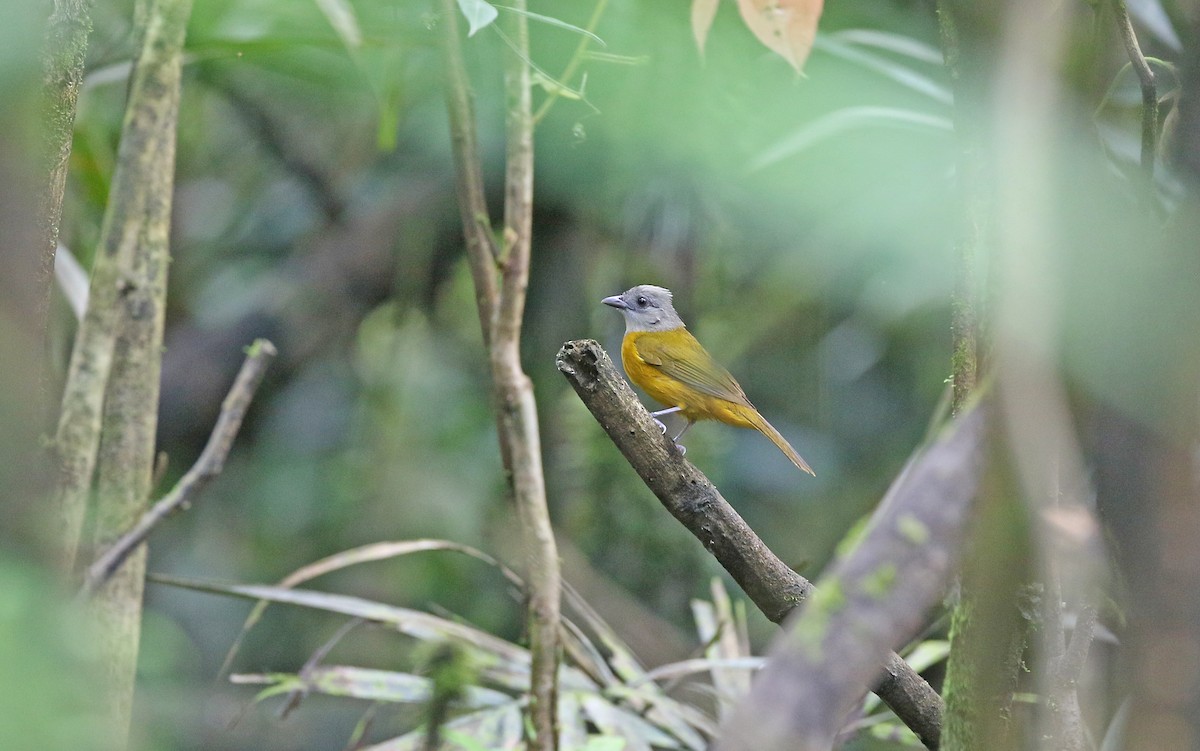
(873, 596)
(689, 496)
(207, 467)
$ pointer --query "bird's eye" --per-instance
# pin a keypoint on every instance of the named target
(642, 302)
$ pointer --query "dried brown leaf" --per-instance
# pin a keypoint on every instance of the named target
(786, 27)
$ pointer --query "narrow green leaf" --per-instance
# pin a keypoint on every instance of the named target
(896, 43)
(497, 728)
(551, 21)
(371, 684)
(378, 551)
(411, 622)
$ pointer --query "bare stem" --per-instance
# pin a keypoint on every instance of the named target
(207, 467)
(500, 314)
(574, 63)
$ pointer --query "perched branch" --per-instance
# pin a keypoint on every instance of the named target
(207, 467)
(1146, 80)
(689, 496)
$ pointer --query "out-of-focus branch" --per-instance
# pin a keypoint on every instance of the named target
(874, 597)
(207, 467)
(500, 313)
(689, 496)
(1145, 80)
(295, 160)
(1067, 731)
(66, 45)
(1068, 670)
(972, 217)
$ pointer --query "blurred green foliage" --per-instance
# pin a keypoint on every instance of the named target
(315, 206)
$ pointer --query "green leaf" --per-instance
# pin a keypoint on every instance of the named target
(497, 728)
(479, 13)
(378, 551)
(551, 21)
(411, 622)
(370, 684)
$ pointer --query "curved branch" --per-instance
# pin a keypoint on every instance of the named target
(697, 504)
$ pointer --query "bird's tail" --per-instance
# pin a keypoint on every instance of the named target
(761, 425)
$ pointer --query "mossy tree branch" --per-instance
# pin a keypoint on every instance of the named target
(688, 495)
(961, 29)
(66, 45)
(874, 596)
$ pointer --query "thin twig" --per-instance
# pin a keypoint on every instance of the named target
(1145, 80)
(692, 499)
(574, 63)
(472, 200)
(501, 305)
(208, 466)
(514, 392)
(313, 662)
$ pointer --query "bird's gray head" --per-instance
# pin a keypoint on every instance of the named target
(646, 308)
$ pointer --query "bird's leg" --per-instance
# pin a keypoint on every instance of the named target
(661, 425)
(678, 445)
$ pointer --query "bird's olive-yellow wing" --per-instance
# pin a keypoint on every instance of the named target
(678, 355)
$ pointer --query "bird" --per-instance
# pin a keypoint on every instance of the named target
(662, 357)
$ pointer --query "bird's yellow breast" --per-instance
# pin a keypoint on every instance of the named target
(672, 392)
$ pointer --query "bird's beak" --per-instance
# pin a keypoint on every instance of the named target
(616, 302)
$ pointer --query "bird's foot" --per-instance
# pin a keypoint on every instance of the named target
(682, 449)
(661, 425)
